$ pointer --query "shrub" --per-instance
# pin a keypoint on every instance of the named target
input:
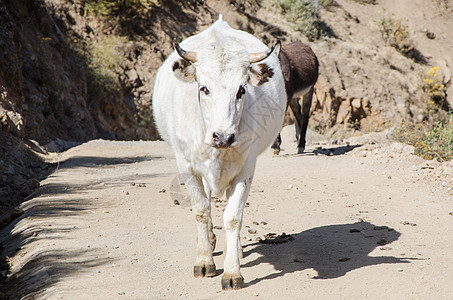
(304, 15)
(440, 139)
(431, 141)
(434, 87)
(396, 34)
(102, 62)
(115, 7)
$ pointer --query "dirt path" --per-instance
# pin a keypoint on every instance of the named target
(368, 222)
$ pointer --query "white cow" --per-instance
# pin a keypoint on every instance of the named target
(219, 101)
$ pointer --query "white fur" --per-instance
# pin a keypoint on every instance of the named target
(187, 124)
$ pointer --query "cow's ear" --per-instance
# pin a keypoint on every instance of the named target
(184, 70)
(259, 74)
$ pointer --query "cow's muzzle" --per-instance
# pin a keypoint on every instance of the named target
(223, 141)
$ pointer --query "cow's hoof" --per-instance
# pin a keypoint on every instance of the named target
(300, 150)
(276, 151)
(232, 282)
(206, 270)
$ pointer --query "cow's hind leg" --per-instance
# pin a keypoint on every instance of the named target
(276, 145)
(295, 107)
(201, 207)
(306, 106)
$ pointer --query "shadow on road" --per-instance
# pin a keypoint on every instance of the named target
(40, 266)
(340, 150)
(331, 151)
(332, 251)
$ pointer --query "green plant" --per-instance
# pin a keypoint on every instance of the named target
(440, 139)
(431, 141)
(102, 61)
(395, 33)
(304, 15)
(116, 7)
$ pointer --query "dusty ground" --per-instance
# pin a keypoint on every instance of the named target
(368, 222)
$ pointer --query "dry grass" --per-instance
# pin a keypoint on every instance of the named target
(303, 15)
(395, 33)
(431, 141)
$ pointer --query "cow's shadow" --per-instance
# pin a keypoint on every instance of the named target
(332, 251)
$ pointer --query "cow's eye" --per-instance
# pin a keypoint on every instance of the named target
(204, 90)
(240, 93)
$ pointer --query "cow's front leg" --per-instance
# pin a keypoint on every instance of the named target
(201, 207)
(232, 218)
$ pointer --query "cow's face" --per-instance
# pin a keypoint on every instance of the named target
(222, 77)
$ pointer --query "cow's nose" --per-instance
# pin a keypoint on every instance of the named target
(222, 141)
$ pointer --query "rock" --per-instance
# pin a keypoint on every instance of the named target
(344, 259)
(273, 238)
(402, 148)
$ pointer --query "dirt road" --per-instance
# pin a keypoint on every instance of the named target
(366, 222)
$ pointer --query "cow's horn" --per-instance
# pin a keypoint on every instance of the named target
(257, 57)
(190, 56)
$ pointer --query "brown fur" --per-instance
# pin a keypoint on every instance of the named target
(262, 72)
(300, 71)
(183, 69)
(299, 66)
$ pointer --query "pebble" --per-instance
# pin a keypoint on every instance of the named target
(252, 231)
(382, 242)
(445, 184)
(408, 223)
(385, 248)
